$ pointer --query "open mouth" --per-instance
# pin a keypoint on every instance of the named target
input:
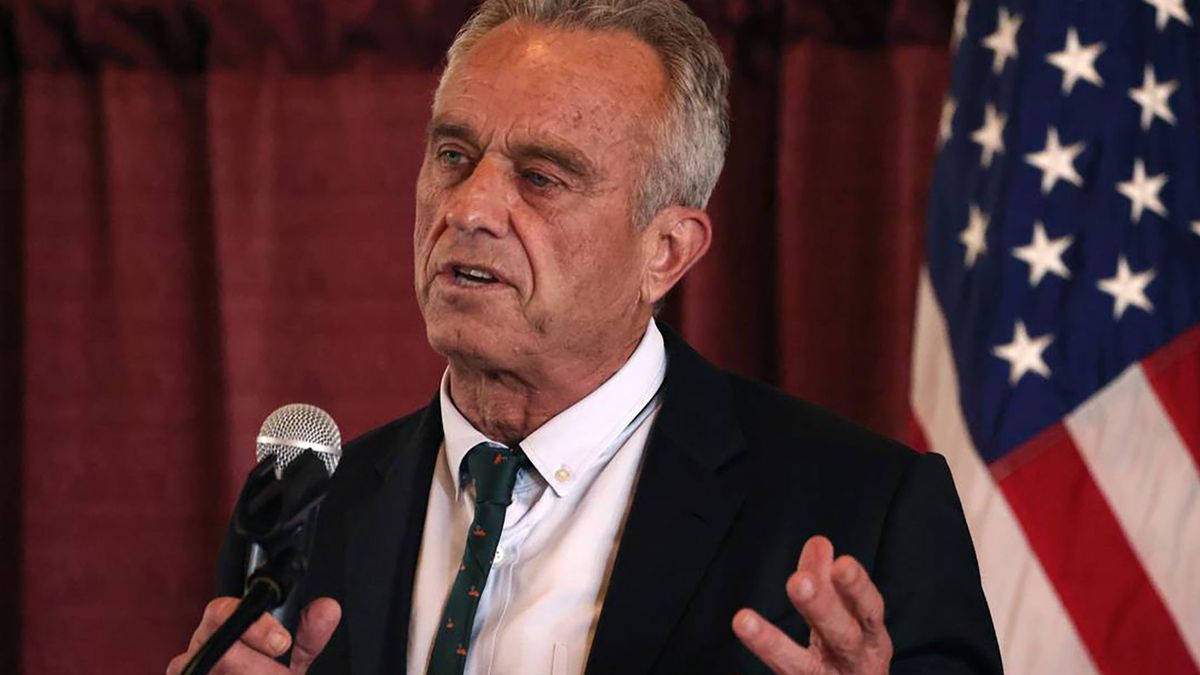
(472, 276)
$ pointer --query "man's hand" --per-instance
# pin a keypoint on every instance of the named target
(255, 653)
(844, 610)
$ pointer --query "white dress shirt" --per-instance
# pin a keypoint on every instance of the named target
(538, 611)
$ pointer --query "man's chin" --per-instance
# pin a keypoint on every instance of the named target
(468, 339)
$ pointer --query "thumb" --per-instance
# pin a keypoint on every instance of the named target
(317, 624)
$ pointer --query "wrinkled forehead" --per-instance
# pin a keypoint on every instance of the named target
(607, 85)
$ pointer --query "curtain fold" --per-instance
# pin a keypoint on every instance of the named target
(847, 320)
(207, 213)
(12, 377)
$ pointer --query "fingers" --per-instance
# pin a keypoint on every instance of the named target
(254, 653)
(817, 551)
(841, 605)
(265, 635)
(215, 613)
(861, 597)
(811, 590)
(772, 646)
(239, 660)
(317, 624)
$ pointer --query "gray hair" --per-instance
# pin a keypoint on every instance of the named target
(694, 131)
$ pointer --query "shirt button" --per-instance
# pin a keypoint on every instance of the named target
(499, 557)
(562, 475)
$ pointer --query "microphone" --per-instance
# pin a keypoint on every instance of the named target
(294, 428)
(298, 449)
(284, 437)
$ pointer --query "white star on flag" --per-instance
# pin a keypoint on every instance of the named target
(974, 237)
(1154, 98)
(1196, 227)
(1165, 10)
(1078, 62)
(1056, 162)
(960, 23)
(990, 136)
(1142, 191)
(1128, 288)
(1003, 42)
(1044, 255)
(1024, 354)
(946, 124)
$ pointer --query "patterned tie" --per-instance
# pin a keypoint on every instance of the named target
(494, 469)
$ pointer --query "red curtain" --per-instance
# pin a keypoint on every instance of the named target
(205, 214)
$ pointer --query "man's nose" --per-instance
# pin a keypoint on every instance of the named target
(479, 204)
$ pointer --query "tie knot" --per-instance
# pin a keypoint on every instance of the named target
(494, 469)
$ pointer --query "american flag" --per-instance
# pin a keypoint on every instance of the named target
(1057, 347)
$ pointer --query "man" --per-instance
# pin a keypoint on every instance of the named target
(585, 492)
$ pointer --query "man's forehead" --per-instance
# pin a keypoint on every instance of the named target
(538, 45)
(545, 86)
(547, 71)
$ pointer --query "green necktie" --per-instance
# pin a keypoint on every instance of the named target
(494, 469)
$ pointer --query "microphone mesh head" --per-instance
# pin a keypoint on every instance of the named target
(294, 428)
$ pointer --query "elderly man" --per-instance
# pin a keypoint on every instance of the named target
(585, 492)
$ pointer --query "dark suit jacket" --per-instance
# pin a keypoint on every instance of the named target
(735, 478)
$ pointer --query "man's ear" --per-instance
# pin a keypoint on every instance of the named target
(675, 239)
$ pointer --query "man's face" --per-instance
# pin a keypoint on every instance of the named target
(526, 255)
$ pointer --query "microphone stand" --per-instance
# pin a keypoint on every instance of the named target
(279, 515)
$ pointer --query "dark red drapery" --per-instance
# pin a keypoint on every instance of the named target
(205, 213)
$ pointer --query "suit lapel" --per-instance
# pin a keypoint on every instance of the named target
(384, 538)
(685, 500)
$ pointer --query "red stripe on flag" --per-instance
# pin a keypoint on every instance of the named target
(1115, 608)
(1174, 373)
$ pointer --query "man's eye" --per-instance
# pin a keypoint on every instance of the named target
(451, 157)
(538, 180)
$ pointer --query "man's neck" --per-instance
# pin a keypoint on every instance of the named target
(507, 407)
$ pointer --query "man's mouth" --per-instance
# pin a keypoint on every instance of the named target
(472, 276)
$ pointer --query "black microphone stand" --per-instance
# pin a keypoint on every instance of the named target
(280, 516)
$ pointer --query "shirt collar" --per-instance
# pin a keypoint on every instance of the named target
(566, 445)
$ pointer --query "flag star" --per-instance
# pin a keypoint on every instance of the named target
(1044, 255)
(1128, 288)
(990, 136)
(1165, 10)
(1153, 98)
(974, 237)
(1142, 191)
(1056, 162)
(1078, 62)
(1003, 42)
(1024, 354)
(946, 125)
(1196, 227)
(960, 23)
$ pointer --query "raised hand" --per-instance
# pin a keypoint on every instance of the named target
(844, 610)
(266, 639)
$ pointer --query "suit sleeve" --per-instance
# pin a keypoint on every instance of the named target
(926, 569)
(231, 564)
